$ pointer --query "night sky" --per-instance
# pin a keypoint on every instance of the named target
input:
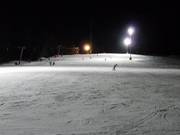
(43, 25)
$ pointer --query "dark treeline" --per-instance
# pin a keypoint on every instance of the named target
(32, 53)
(29, 53)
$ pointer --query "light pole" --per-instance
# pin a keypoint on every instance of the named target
(130, 32)
(127, 42)
(59, 50)
(21, 53)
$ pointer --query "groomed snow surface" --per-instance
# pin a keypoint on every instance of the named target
(82, 95)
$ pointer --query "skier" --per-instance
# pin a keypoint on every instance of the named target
(50, 63)
(114, 67)
(53, 63)
(16, 63)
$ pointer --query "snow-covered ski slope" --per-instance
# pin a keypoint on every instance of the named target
(82, 95)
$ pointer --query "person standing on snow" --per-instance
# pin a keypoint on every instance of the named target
(114, 67)
(50, 63)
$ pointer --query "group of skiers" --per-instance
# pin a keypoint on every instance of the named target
(51, 63)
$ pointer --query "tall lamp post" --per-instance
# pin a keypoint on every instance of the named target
(21, 54)
(128, 40)
(59, 50)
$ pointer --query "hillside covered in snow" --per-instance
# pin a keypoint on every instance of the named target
(83, 95)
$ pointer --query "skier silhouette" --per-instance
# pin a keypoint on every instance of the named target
(114, 67)
(50, 63)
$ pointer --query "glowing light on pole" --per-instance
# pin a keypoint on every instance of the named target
(127, 41)
(87, 48)
(130, 31)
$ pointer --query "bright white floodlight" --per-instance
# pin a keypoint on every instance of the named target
(130, 31)
(127, 41)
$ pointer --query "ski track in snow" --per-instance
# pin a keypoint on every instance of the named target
(81, 95)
